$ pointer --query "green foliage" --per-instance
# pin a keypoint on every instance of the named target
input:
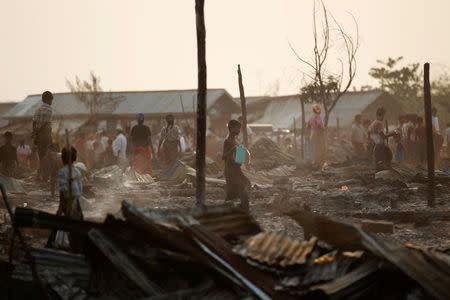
(403, 82)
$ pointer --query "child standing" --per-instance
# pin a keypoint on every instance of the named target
(73, 211)
(238, 184)
(399, 149)
(8, 156)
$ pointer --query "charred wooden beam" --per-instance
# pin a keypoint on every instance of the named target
(201, 102)
(122, 262)
(429, 131)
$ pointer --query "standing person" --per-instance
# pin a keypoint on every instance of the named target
(237, 184)
(399, 153)
(141, 139)
(8, 156)
(104, 140)
(421, 141)
(74, 211)
(42, 125)
(23, 155)
(317, 135)
(381, 152)
(120, 148)
(368, 140)
(447, 134)
(170, 141)
(437, 138)
(358, 136)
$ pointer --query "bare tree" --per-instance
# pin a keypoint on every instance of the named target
(322, 85)
(92, 96)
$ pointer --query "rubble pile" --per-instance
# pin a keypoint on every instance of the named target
(266, 155)
(220, 252)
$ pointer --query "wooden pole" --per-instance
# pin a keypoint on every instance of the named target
(243, 107)
(338, 136)
(182, 106)
(295, 137)
(201, 102)
(302, 102)
(429, 131)
(68, 211)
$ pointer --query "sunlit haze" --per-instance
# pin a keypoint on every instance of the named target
(151, 45)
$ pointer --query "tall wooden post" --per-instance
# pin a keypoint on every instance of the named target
(68, 211)
(201, 102)
(182, 106)
(243, 107)
(295, 137)
(429, 130)
(302, 103)
(338, 136)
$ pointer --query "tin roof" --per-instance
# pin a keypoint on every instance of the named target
(130, 103)
(281, 111)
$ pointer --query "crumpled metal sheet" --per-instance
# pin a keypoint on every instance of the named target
(432, 272)
(274, 248)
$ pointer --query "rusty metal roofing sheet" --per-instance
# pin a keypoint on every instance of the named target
(427, 269)
(276, 249)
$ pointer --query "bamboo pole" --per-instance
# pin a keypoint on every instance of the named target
(201, 102)
(338, 136)
(429, 131)
(243, 107)
(182, 106)
(302, 102)
(68, 211)
(295, 137)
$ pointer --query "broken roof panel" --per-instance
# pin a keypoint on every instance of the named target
(274, 248)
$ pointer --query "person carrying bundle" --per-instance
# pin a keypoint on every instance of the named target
(237, 184)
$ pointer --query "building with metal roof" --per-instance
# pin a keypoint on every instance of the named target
(69, 112)
(4, 108)
(281, 111)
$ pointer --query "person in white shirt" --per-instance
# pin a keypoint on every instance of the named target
(447, 134)
(23, 154)
(119, 146)
(434, 118)
(358, 136)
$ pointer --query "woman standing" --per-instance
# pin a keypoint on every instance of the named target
(170, 141)
(141, 139)
(317, 135)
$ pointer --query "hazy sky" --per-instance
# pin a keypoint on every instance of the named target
(151, 45)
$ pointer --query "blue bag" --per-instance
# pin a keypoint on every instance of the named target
(239, 155)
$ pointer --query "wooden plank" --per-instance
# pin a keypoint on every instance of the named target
(122, 262)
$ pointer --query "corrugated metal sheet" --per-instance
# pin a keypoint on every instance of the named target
(427, 269)
(274, 248)
(281, 113)
(130, 103)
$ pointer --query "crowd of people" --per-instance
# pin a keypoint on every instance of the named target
(138, 146)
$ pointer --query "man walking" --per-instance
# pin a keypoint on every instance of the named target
(42, 125)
